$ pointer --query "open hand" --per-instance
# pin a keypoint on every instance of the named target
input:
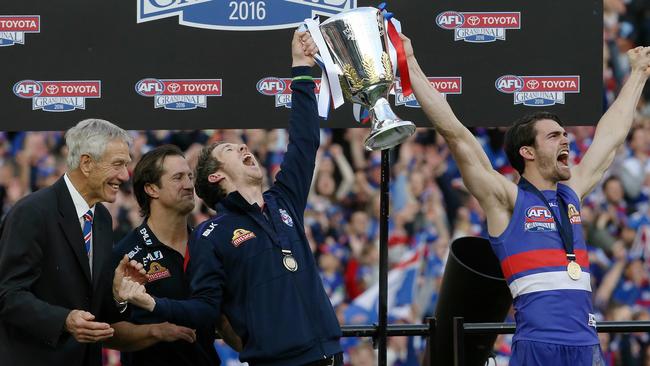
(131, 269)
(84, 329)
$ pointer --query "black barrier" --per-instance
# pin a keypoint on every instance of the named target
(472, 275)
(395, 330)
(203, 64)
(474, 329)
(462, 329)
(398, 330)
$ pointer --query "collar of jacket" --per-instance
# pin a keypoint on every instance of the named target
(235, 201)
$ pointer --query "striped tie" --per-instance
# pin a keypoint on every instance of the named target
(88, 229)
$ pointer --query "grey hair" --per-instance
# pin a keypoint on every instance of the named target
(91, 136)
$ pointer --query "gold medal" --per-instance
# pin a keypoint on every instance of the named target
(573, 270)
(290, 263)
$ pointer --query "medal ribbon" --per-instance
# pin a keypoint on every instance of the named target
(566, 229)
(280, 229)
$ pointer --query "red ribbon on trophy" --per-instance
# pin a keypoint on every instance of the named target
(402, 64)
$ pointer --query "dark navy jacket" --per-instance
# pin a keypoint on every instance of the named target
(283, 317)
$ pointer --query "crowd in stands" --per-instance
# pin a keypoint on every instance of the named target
(429, 208)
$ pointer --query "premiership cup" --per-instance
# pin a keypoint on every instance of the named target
(358, 42)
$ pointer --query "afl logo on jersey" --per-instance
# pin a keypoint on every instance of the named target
(539, 219)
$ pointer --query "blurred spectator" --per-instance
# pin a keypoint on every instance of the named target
(635, 167)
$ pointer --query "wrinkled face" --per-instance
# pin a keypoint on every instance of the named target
(551, 153)
(176, 189)
(109, 172)
(239, 165)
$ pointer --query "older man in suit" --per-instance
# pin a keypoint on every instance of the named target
(55, 255)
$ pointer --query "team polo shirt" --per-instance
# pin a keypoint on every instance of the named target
(549, 306)
(165, 270)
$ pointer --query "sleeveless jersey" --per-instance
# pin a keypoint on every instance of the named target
(549, 306)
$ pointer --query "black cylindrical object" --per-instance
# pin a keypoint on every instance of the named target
(473, 287)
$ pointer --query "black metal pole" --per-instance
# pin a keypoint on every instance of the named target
(394, 330)
(462, 329)
(601, 327)
(432, 340)
(383, 255)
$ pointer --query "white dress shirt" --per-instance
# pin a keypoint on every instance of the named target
(81, 206)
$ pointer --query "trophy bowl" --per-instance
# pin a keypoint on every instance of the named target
(358, 42)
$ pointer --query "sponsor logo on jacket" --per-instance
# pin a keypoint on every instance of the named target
(240, 235)
(157, 272)
(208, 231)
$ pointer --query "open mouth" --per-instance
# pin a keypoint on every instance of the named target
(114, 186)
(563, 158)
(248, 160)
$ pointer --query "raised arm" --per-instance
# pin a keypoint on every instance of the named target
(613, 127)
(298, 164)
(347, 174)
(486, 184)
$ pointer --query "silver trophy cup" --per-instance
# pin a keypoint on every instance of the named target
(358, 43)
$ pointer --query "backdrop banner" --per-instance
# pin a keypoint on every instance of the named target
(202, 64)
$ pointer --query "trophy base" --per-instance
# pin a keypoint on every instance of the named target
(388, 130)
(392, 135)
